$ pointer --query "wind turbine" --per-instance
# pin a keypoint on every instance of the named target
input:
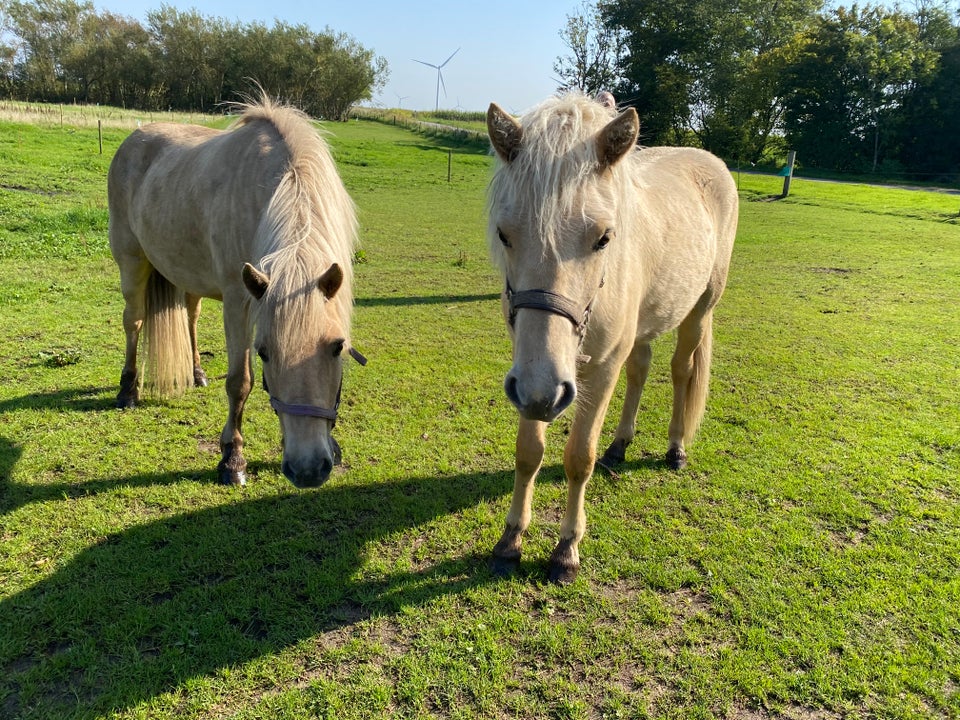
(439, 75)
(401, 98)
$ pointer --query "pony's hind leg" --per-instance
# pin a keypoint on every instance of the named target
(193, 315)
(134, 273)
(531, 439)
(690, 369)
(637, 368)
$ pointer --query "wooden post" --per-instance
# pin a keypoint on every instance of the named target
(788, 174)
(100, 134)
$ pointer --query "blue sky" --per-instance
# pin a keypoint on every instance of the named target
(507, 49)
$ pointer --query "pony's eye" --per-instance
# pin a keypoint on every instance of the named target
(603, 241)
(262, 354)
(503, 238)
(338, 347)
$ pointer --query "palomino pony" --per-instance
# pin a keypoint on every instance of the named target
(255, 216)
(603, 247)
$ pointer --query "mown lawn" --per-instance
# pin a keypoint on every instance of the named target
(805, 565)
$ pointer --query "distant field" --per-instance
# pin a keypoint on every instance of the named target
(806, 565)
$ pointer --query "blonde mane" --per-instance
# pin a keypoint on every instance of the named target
(309, 224)
(558, 157)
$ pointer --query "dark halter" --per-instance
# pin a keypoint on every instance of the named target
(552, 302)
(313, 410)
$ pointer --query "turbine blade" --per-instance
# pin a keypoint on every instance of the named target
(450, 58)
(442, 84)
(426, 63)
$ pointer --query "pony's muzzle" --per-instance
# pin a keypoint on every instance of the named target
(314, 472)
(544, 405)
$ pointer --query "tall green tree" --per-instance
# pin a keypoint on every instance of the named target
(47, 30)
(344, 73)
(110, 61)
(594, 52)
(858, 67)
(927, 141)
(705, 72)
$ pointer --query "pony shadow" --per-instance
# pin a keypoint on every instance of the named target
(189, 595)
(72, 399)
(422, 300)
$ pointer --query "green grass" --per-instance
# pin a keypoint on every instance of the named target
(804, 566)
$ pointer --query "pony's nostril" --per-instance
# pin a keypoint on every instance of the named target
(510, 388)
(567, 394)
(326, 466)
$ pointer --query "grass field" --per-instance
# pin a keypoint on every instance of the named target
(805, 566)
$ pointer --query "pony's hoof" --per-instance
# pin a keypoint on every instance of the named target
(676, 458)
(233, 477)
(504, 567)
(615, 454)
(125, 403)
(562, 573)
(564, 562)
(232, 468)
(200, 378)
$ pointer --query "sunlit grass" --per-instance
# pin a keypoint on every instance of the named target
(805, 565)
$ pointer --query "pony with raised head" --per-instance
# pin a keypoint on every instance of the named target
(255, 216)
(603, 247)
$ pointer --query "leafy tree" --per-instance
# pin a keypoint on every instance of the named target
(701, 71)
(853, 76)
(344, 74)
(927, 140)
(595, 52)
(110, 61)
(47, 30)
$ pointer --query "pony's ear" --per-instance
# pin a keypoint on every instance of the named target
(255, 280)
(505, 133)
(331, 281)
(617, 138)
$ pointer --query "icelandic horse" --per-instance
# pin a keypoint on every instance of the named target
(603, 246)
(255, 216)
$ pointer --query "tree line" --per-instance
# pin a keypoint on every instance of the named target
(864, 88)
(66, 51)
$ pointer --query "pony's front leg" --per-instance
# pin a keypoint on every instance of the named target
(579, 458)
(232, 467)
(531, 441)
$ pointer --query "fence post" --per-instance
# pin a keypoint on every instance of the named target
(100, 134)
(788, 172)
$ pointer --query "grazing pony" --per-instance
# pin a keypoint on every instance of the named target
(255, 216)
(603, 246)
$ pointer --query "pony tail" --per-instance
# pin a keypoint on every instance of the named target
(166, 338)
(697, 387)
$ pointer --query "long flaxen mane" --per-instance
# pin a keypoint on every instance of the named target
(309, 224)
(558, 156)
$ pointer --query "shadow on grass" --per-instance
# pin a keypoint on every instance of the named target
(423, 300)
(72, 400)
(145, 610)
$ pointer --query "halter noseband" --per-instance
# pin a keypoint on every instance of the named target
(306, 410)
(552, 302)
(312, 410)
